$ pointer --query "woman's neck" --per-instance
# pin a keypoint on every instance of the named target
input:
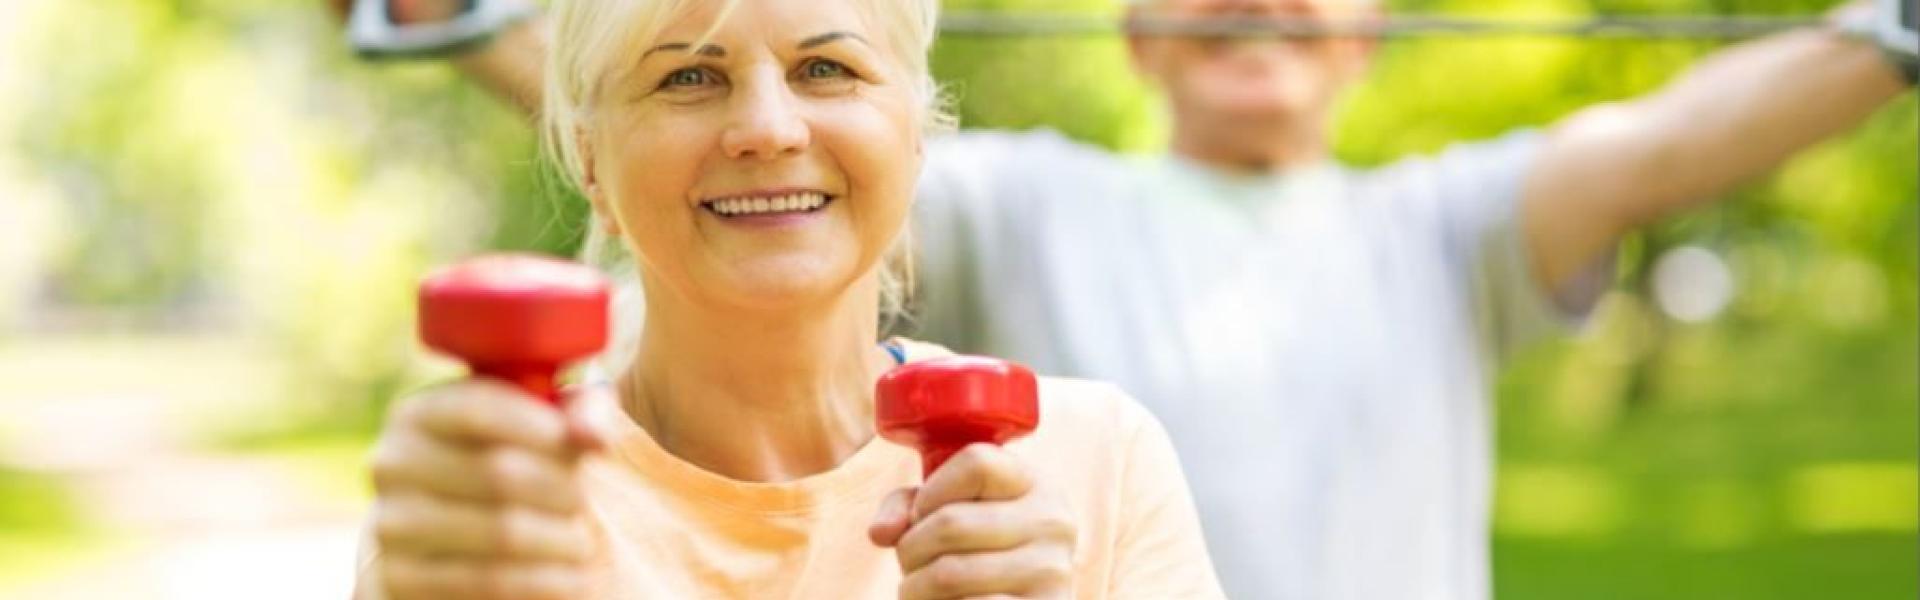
(757, 396)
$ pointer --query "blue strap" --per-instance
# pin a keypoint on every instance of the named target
(893, 348)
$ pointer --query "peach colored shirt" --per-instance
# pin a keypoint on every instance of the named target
(673, 530)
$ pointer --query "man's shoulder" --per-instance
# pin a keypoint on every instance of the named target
(1038, 148)
(1461, 162)
(986, 172)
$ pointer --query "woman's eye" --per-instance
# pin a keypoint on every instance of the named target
(825, 69)
(689, 77)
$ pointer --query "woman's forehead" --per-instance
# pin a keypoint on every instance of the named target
(1258, 6)
(773, 22)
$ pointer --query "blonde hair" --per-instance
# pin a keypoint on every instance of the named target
(591, 41)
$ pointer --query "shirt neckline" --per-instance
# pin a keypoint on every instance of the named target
(1256, 190)
(872, 468)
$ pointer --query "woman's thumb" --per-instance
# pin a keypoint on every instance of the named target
(587, 419)
(893, 518)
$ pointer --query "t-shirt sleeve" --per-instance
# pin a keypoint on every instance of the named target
(1161, 552)
(1472, 194)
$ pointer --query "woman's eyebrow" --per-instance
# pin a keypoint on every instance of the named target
(831, 36)
(706, 50)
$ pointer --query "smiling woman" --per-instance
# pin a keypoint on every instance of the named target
(757, 159)
(872, 58)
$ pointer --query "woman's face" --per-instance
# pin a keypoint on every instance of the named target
(769, 167)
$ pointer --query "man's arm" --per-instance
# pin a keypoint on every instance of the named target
(510, 64)
(1611, 168)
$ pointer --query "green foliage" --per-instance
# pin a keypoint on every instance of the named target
(1081, 87)
(35, 505)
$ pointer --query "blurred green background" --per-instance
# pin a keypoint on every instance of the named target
(212, 217)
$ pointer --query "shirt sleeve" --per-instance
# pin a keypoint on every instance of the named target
(1160, 553)
(1472, 194)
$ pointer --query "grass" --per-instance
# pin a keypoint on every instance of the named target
(1757, 463)
(1839, 566)
(43, 532)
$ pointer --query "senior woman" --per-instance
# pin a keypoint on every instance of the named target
(757, 158)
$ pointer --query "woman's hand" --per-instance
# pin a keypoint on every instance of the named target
(979, 526)
(479, 497)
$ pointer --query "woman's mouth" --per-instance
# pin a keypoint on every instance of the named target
(772, 205)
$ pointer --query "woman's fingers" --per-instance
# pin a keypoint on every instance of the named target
(488, 412)
(422, 525)
(972, 527)
(893, 518)
(410, 578)
(977, 472)
(479, 496)
(405, 462)
(980, 528)
(1035, 571)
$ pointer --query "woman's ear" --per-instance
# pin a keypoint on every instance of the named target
(590, 183)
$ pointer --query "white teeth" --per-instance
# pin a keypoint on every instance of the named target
(789, 203)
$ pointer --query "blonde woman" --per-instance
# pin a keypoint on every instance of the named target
(758, 158)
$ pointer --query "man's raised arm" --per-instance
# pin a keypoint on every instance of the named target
(1611, 168)
(509, 63)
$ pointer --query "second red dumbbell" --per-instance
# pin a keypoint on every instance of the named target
(939, 406)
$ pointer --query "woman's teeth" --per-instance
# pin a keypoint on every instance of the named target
(801, 202)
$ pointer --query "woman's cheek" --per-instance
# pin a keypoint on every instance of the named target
(872, 137)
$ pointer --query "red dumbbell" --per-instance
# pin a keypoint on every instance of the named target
(941, 405)
(519, 318)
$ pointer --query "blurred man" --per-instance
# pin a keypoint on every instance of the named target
(1319, 339)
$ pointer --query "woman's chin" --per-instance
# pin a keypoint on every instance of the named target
(783, 283)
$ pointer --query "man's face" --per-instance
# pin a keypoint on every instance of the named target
(1250, 86)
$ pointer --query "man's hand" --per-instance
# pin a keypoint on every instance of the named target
(510, 65)
(425, 11)
(979, 527)
(408, 11)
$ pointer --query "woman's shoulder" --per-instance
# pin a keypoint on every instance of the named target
(1071, 406)
(1089, 407)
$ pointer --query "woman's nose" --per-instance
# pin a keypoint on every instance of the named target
(766, 123)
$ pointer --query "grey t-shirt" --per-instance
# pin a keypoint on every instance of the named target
(1318, 343)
